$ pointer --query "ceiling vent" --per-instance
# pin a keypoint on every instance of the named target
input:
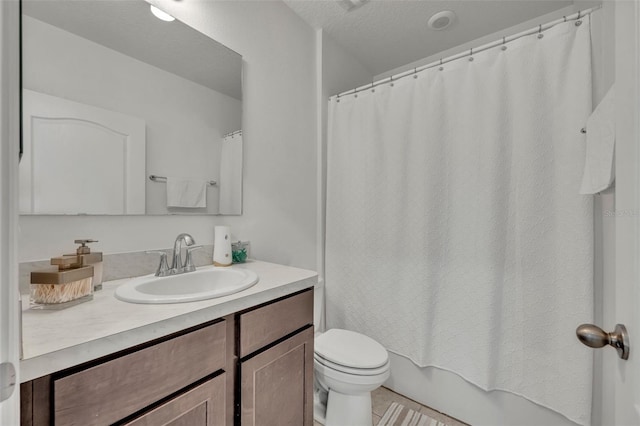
(441, 20)
(350, 5)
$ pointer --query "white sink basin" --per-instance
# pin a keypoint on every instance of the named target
(204, 283)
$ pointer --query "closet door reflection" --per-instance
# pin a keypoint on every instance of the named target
(102, 171)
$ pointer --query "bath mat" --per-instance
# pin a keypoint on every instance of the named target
(399, 415)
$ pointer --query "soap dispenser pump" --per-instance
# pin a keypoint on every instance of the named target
(86, 258)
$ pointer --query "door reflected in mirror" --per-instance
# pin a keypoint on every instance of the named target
(113, 95)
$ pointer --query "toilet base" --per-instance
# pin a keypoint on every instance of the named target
(320, 396)
(352, 410)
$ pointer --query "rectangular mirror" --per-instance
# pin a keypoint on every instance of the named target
(124, 113)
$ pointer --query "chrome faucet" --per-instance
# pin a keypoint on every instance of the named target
(176, 264)
(177, 267)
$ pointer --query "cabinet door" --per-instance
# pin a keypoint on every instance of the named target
(277, 384)
(203, 405)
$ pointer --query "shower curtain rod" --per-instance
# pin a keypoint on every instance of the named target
(539, 29)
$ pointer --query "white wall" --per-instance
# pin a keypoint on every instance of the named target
(279, 129)
(340, 70)
(185, 121)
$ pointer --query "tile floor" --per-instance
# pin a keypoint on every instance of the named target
(382, 398)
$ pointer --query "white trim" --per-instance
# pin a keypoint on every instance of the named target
(9, 148)
(321, 105)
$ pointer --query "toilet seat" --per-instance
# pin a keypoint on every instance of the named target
(351, 370)
(349, 351)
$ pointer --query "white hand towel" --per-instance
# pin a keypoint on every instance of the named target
(186, 193)
(601, 135)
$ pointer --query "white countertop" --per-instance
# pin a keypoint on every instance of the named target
(55, 340)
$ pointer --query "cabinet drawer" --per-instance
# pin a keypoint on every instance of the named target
(269, 323)
(203, 405)
(118, 388)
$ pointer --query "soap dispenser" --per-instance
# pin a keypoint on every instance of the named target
(222, 246)
(86, 258)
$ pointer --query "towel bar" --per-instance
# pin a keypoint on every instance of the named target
(157, 178)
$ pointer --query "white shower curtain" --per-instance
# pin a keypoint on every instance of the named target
(455, 233)
(231, 175)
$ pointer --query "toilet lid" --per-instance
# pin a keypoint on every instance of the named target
(350, 349)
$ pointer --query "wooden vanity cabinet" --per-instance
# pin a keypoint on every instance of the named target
(254, 367)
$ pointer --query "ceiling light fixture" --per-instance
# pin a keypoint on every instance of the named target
(441, 20)
(160, 14)
(350, 5)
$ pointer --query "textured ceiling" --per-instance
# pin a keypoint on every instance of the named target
(129, 28)
(386, 34)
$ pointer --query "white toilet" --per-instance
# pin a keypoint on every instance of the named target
(347, 366)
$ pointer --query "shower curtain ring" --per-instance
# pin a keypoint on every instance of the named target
(441, 67)
(540, 35)
(391, 81)
(504, 43)
(471, 55)
(372, 89)
(415, 73)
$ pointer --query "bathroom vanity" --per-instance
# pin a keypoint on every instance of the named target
(241, 359)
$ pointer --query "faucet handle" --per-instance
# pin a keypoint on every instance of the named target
(163, 267)
(188, 264)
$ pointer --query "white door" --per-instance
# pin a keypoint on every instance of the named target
(621, 378)
(9, 139)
